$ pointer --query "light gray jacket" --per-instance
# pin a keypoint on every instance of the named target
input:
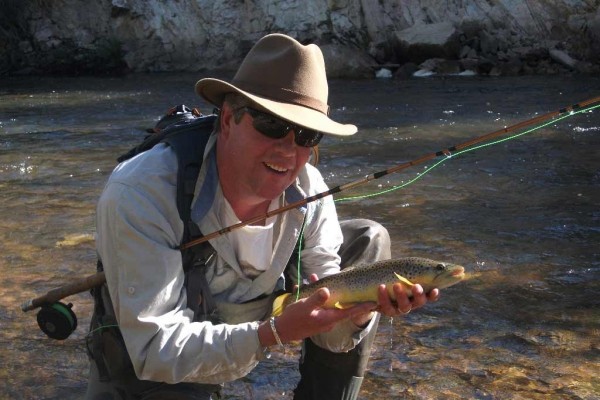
(138, 231)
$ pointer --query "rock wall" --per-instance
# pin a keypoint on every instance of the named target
(358, 36)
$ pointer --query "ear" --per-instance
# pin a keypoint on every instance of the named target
(226, 119)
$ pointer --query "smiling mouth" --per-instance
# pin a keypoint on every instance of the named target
(276, 168)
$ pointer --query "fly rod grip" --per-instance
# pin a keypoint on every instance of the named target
(75, 287)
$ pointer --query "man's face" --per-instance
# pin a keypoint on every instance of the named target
(254, 168)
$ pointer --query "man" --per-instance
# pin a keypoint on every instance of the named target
(256, 160)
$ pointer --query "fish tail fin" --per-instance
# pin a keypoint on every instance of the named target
(280, 303)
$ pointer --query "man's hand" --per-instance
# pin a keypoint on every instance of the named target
(404, 304)
(401, 306)
(307, 317)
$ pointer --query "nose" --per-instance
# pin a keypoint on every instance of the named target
(289, 140)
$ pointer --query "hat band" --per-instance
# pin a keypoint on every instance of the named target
(283, 95)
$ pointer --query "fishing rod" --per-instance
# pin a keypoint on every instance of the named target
(445, 152)
(50, 301)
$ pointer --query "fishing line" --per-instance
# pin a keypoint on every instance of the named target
(447, 157)
(97, 279)
(298, 274)
(450, 155)
(90, 333)
(427, 157)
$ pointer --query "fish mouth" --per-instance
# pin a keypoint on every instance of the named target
(449, 278)
(459, 272)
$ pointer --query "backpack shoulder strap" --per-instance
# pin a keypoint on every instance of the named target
(187, 131)
(188, 140)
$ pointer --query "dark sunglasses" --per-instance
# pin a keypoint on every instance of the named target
(276, 128)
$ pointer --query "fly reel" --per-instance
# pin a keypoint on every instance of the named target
(57, 320)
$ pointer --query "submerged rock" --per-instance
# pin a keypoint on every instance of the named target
(383, 73)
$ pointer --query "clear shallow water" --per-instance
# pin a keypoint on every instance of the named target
(522, 216)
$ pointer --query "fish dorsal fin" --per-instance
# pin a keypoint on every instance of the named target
(404, 280)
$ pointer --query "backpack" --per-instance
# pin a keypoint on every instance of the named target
(187, 131)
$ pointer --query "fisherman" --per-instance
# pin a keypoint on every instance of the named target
(160, 331)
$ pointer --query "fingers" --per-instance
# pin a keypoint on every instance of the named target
(388, 306)
(402, 301)
(419, 297)
(312, 315)
(434, 295)
(319, 298)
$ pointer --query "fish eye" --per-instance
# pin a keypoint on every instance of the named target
(440, 267)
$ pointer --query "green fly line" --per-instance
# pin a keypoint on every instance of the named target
(298, 276)
(452, 155)
(572, 110)
(435, 165)
(552, 117)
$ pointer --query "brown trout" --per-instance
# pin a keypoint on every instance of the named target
(359, 284)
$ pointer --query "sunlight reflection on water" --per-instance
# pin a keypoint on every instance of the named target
(522, 216)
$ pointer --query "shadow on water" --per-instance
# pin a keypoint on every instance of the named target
(522, 217)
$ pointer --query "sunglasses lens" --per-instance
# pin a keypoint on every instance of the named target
(270, 126)
(277, 128)
(308, 137)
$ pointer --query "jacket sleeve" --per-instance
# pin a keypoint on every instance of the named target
(138, 229)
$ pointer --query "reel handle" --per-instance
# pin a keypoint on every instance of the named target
(54, 295)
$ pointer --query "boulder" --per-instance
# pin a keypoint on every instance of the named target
(512, 67)
(441, 66)
(383, 73)
(593, 32)
(563, 58)
(421, 42)
(346, 62)
(406, 71)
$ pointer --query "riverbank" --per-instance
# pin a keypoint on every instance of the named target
(359, 38)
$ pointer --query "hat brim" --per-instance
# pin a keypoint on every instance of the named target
(214, 91)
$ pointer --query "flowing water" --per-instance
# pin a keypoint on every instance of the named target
(522, 216)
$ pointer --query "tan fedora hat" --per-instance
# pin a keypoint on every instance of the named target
(285, 78)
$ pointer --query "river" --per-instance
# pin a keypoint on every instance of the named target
(522, 216)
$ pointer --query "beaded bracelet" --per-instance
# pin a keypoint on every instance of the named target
(277, 338)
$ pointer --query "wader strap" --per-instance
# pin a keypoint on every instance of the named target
(93, 340)
(94, 349)
(199, 297)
